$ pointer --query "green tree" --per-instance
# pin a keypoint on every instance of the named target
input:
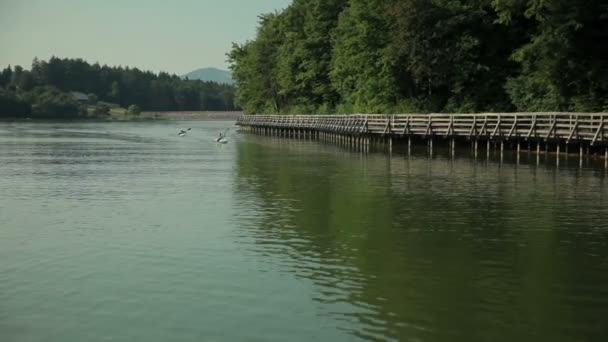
(564, 66)
(362, 71)
(6, 76)
(118, 85)
(13, 106)
(304, 56)
(254, 67)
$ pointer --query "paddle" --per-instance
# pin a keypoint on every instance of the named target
(222, 135)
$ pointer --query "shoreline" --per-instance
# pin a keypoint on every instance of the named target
(190, 115)
(144, 116)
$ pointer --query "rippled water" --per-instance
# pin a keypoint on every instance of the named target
(126, 232)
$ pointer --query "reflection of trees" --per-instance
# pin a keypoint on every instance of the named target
(434, 250)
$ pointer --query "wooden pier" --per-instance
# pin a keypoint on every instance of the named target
(549, 132)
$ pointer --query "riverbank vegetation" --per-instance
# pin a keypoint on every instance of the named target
(390, 56)
(73, 88)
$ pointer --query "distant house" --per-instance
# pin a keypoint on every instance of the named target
(80, 97)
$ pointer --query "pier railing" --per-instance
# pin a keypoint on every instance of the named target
(588, 128)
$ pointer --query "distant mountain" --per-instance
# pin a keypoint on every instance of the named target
(210, 74)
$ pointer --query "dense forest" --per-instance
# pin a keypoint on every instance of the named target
(388, 56)
(46, 91)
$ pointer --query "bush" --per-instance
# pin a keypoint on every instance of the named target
(50, 103)
(12, 106)
(101, 110)
(134, 110)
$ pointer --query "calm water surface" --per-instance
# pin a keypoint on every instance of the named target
(126, 232)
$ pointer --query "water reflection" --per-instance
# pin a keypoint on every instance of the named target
(432, 250)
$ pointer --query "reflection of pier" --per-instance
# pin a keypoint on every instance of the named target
(549, 132)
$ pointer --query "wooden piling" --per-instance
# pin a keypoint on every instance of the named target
(488, 149)
(409, 146)
(585, 129)
(475, 148)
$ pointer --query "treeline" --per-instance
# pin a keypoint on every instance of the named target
(46, 89)
(388, 56)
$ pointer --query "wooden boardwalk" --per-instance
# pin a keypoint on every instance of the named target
(587, 131)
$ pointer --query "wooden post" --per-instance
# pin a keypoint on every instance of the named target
(580, 155)
(488, 149)
(475, 148)
(518, 147)
(557, 154)
(431, 147)
(502, 148)
(390, 145)
(409, 145)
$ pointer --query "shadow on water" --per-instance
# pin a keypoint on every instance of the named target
(432, 249)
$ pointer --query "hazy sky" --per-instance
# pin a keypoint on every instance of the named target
(175, 36)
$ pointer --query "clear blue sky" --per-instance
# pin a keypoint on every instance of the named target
(174, 36)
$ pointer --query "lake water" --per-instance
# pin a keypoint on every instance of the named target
(127, 232)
